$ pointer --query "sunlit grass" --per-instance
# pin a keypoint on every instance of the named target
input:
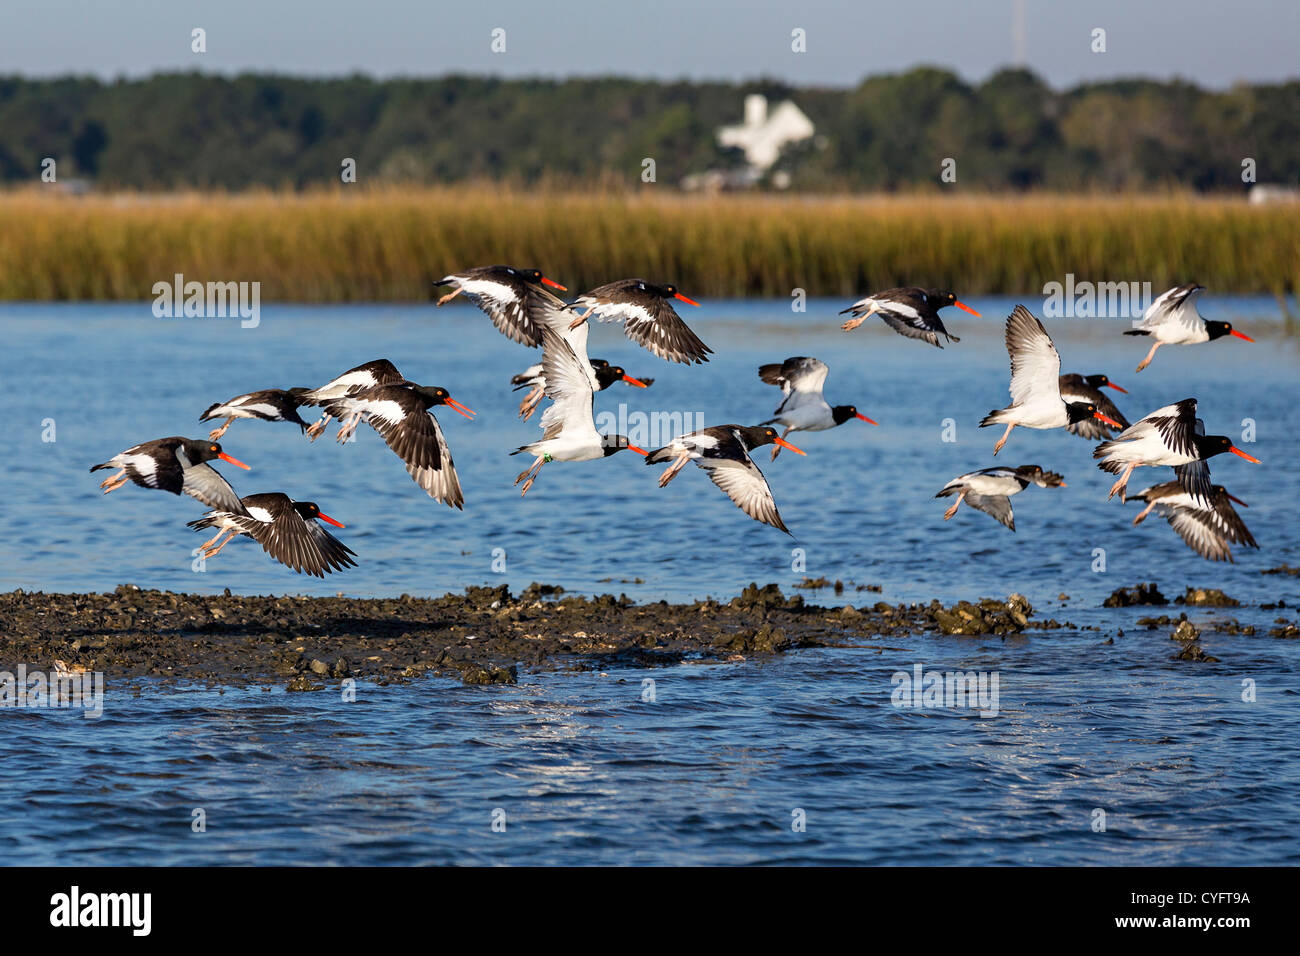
(391, 244)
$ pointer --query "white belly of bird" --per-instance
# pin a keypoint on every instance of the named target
(1042, 415)
(993, 485)
(1150, 451)
(809, 418)
(568, 449)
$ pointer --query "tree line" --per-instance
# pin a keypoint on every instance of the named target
(892, 132)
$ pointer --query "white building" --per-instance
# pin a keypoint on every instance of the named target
(763, 135)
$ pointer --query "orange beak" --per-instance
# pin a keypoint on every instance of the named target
(631, 381)
(553, 284)
(640, 451)
(866, 419)
(962, 305)
(1107, 419)
(464, 410)
(678, 295)
(324, 517)
(1233, 497)
(1241, 335)
(239, 464)
(785, 444)
(1116, 387)
(1237, 451)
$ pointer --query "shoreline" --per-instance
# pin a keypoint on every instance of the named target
(482, 636)
(486, 634)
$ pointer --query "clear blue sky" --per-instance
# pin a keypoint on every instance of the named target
(1210, 42)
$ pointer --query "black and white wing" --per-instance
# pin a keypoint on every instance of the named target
(570, 385)
(648, 319)
(1175, 307)
(999, 506)
(1035, 364)
(518, 308)
(415, 436)
(291, 539)
(745, 485)
(205, 483)
(1201, 536)
(374, 374)
(800, 379)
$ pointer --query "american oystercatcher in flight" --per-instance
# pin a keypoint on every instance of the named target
(176, 465)
(1206, 526)
(533, 379)
(402, 415)
(989, 490)
(1086, 389)
(1172, 436)
(512, 298)
(908, 311)
(268, 405)
(568, 426)
(286, 530)
(801, 380)
(723, 452)
(1036, 399)
(368, 375)
(647, 315)
(1172, 319)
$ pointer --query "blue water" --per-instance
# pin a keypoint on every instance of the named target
(711, 771)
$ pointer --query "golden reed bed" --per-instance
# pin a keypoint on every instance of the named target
(390, 244)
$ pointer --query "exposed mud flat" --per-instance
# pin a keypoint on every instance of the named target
(481, 636)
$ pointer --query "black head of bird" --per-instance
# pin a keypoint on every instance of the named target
(1217, 330)
(1207, 446)
(842, 413)
(536, 278)
(610, 444)
(670, 292)
(436, 395)
(610, 374)
(1044, 479)
(200, 451)
(759, 435)
(1082, 411)
(1102, 381)
(310, 510)
(944, 298)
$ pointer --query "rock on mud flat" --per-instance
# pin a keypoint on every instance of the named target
(1138, 595)
(481, 637)
(1206, 597)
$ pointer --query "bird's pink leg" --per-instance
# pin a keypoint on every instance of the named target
(113, 482)
(317, 429)
(530, 475)
(582, 318)
(1122, 484)
(212, 552)
(1150, 355)
(346, 429)
(218, 432)
(1003, 440)
(530, 403)
(953, 510)
(1145, 511)
(852, 324)
(213, 540)
(677, 466)
(448, 297)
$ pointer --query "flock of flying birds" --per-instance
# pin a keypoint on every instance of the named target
(521, 306)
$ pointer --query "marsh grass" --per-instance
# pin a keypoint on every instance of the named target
(340, 246)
